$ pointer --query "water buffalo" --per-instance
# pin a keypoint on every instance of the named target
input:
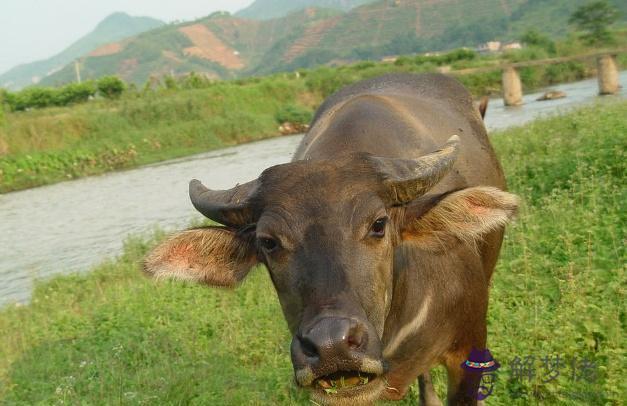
(380, 238)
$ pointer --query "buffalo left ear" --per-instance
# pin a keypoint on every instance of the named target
(467, 215)
(215, 256)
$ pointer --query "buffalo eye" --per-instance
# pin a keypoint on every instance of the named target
(268, 244)
(378, 227)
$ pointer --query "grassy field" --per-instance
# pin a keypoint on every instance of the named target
(38, 147)
(113, 337)
(170, 119)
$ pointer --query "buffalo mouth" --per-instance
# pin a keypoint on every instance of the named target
(343, 381)
(341, 386)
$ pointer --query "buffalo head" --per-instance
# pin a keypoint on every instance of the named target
(327, 232)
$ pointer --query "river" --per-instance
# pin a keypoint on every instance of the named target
(71, 226)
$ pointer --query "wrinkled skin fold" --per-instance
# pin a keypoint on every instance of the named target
(380, 238)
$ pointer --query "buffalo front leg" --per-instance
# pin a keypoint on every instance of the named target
(462, 385)
(427, 394)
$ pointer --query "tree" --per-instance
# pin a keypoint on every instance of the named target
(534, 38)
(74, 93)
(111, 87)
(594, 19)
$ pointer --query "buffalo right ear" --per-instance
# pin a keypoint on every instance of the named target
(214, 256)
(466, 215)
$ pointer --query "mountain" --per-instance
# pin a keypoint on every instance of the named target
(223, 46)
(113, 28)
(393, 27)
(267, 9)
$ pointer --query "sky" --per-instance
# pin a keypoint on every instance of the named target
(31, 30)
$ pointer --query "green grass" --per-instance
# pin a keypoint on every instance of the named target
(45, 146)
(113, 337)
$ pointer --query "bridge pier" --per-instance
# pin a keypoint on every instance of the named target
(607, 74)
(512, 87)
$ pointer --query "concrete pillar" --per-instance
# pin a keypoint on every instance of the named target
(512, 87)
(607, 73)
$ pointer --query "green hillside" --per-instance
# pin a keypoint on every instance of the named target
(414, 26)
(267, 9)
(219, 46)
(112, 28)
(223, 46)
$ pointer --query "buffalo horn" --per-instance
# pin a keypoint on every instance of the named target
(408, 179)
(229, 207)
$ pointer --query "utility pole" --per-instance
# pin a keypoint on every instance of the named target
(77, 68)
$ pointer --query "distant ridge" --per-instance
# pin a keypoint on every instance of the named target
(113, 28)
(223, 46)
(267, 9)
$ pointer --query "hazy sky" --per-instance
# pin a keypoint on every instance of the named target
(37, 29)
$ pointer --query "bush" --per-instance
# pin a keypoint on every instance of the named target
(326, 81)
(111, 87)
(364, 65)
(564, 72)
(169, 83)
(74, 93)
(403, 61)
(534, 38)
(294, 114)
(41, 97)
(194, 81)
(461, 54)
(35, 97)
(3, 94)
(526, 54)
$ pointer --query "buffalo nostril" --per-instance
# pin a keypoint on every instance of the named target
(354, 342)
(308, 348)
(356, 337)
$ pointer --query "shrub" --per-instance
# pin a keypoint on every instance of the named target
(526, 54)
(403, 61)
(35, 97)
(461, 54)
(534, 38)
(74, 93)
(294, 114)
(111, 87)
(326, 81)
(169, 82)
(3, 94)
(564, 72)
(194, 81)
(364, 65)
(41, 97)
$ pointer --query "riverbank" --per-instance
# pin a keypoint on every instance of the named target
(44, 146)
(113, 337)
(55, 144)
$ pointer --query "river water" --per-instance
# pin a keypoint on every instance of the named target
(70, 226)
